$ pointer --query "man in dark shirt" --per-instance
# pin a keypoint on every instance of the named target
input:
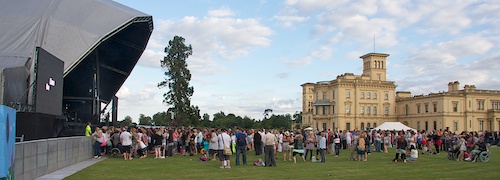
(481, 144)
(257, 138)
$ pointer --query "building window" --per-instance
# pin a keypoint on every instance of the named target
(435, 125)
(362, 95)
(348, 109)
(333, 109)
(386, 96)
(418, 108)
(495, 105)
(426, 126)
(317, 111)
(481, 123)
(374, 124)
(455, 106)
(368, 125)
(368, 94)
(374, 95)
(362, 126)
(378, 77)
(333, 94)
(348, 94)
(348, 126)
(333, 126)
(418, 126)
(426, 107)
(362, 110)
(324, 95)
(455, 126)
(324, 126)
(324, 109)
(407, 109)
(480, 104)
(368, 110)
(434, 106)
(375, 110)
(386, 110)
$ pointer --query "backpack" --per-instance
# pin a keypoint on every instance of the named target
(241, 140)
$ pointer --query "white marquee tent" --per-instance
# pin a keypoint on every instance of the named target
(393, 126)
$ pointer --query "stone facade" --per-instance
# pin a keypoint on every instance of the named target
(457, 110)
(364, 101)
(351, 101)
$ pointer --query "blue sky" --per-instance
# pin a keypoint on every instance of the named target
(249, 56)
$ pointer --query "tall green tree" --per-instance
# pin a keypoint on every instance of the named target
(177, 77)
(145, 120)
(127, 121)
(162, 119)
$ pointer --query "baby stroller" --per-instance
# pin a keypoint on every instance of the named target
(454, 151)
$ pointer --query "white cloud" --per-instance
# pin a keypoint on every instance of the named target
(288, 21)
(222, 12)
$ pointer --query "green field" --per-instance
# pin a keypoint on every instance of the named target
(378, 166)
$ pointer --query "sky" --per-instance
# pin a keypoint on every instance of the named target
(249, 56)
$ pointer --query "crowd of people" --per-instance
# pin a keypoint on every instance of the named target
(307, 144)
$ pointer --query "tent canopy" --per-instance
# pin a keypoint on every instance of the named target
(393, 126)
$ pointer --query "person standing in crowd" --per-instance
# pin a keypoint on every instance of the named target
(387, 141)
(322, 147)
(377, 141)
(280, 140)
(361, 146)
(286, 146)
(241, 147)
(213, 145)
(126, 141)
(401, 145)
(298, 147)
(462, 147)
(257, 142)
(353, 145)
(343, 138)
(269, 148)
(99, 138)
(250, 140)
(336, 140)
(157, 143)
(199, 140)
(310, 144)
(224, 142)
(88, 129)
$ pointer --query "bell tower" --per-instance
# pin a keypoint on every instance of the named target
(374, 66)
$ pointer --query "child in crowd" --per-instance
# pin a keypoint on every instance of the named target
(413, 154)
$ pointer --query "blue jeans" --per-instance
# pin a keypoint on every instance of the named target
(377, 145)
(322, 153)
(97, 148)
(243, 151)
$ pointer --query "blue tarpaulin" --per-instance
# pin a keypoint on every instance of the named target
(7, 141)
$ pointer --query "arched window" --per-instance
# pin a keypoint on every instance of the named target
(375, 64)
(368, 125)
(382, 67)
(362, 126)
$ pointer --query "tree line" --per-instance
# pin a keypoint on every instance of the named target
(220, 120)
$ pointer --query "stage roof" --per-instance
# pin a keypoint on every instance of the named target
(81, 33)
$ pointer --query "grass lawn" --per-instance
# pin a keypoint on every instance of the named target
(378, 166)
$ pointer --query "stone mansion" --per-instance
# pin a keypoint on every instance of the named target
(365, 101)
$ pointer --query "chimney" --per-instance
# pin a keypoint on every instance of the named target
(453, 86)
